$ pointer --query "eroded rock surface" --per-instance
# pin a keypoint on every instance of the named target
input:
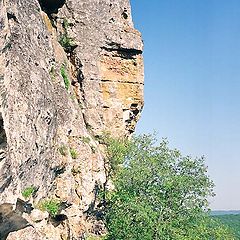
(69, 71)
(28, 233)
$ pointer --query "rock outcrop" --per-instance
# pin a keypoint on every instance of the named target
(69, 71)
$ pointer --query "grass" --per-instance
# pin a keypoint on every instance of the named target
(74, 153)
(63, 150)
(27, 192)
(65, 77)
(51, 206)
(85, 139)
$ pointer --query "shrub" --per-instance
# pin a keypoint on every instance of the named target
(65, 77)
(27, 192)
(65, 24)
(66, 42)
(74, 153)
(51, 206)
(159, 194)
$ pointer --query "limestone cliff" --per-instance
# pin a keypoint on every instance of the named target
(69, 71)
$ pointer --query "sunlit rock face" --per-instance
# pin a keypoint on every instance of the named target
(108, 64)
(69, 72)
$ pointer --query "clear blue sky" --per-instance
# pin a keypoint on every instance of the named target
(192, 83)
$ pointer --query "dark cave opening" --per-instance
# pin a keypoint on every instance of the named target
(51, 6)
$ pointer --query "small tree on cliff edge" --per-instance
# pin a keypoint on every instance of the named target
(159, 194)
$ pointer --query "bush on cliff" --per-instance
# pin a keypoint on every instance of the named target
(159, 194)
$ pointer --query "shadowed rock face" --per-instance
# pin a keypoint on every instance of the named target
(65, 79)
(3, 139)
(51, 6)
(10, 220)
(5, 178)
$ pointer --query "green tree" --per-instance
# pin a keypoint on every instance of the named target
(159, 194)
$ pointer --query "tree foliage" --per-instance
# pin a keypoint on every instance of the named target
(232, 221)
(159, 194)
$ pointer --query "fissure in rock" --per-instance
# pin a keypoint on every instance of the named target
(3, 139)
(51, 6)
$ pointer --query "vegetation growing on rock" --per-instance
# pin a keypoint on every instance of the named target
(74, 153)
(27, 192)
(63, 150)
(65, 24)
(85, 139)
(50, 205)
(66, 42)
(65, 77)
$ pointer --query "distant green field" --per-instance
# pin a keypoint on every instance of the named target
(232, 221)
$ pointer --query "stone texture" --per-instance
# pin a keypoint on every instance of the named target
(42, 122)
(38, 215)
(28, 233)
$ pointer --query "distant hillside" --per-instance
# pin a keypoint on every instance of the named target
(230, 220)
(222, 212)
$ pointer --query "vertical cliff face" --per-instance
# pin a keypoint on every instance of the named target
(69, 71)
(107, 62)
